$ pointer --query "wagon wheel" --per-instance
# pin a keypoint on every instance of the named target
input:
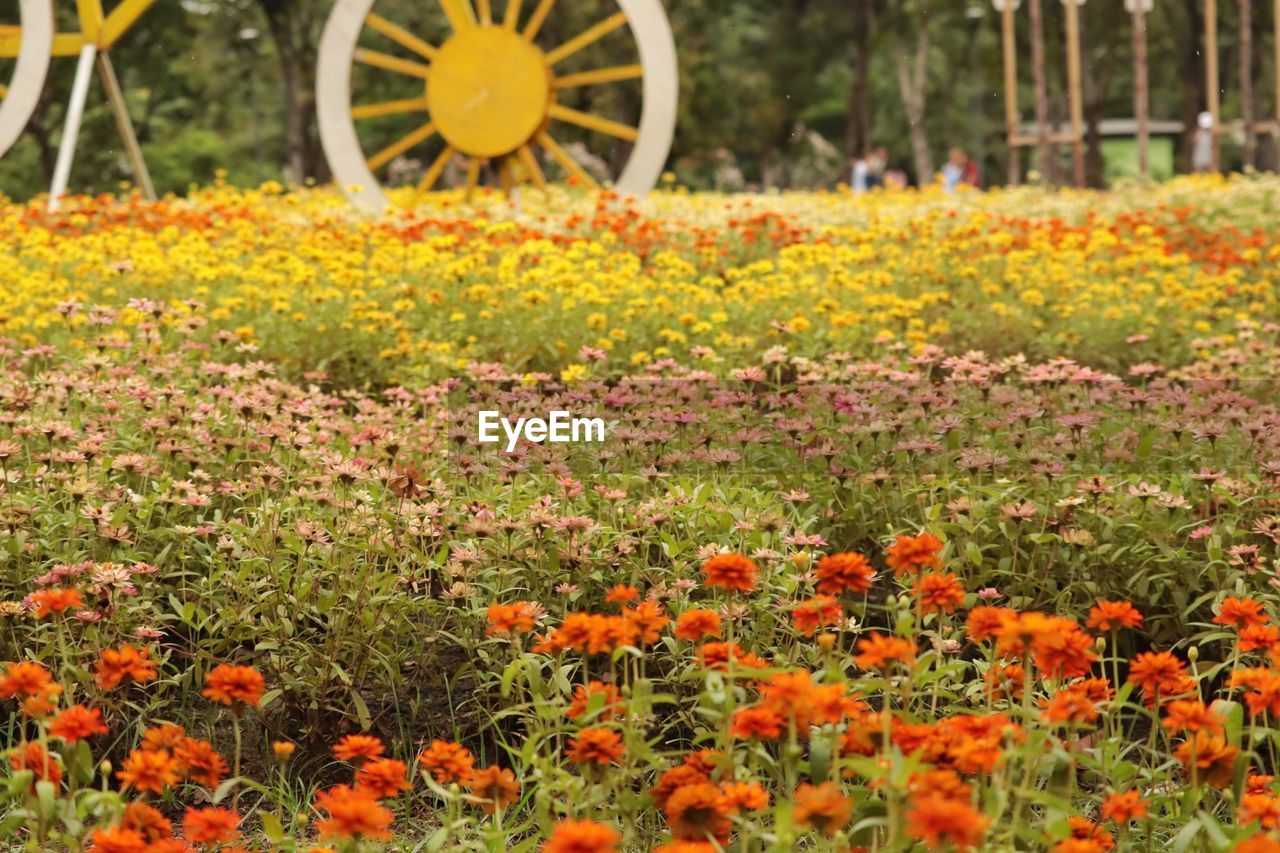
(26, 47)
(489, 94)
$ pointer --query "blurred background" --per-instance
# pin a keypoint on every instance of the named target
(775, 93)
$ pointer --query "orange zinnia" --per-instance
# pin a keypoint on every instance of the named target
(582, 836)
(32, 756)
(117, 839)
(732, 572)
(148, 770)
(609, 706)
(352, 813)
(200, 762)
(696, 812)
(941, 821)
(744, 796)
(814, 613)
(147, 821)
(234, 686)
(985, 621)
(622, 594)
(495, 788)
(844, 572)
(596, 746)
(358, 748)
(211, 825)
(55, 601)
(1212, 756)
(383, 778)
(939, 592)
(1192, 715)
(757, 722)
(824, 807)
(448, 762)
(25, 678)
(1121, 808)
(696, 624)
(125, 663)
(1240, 613)
(1113, 615)
(877, 651)
(511, 619)
(910, 554)
(648, 619)
(77, 723)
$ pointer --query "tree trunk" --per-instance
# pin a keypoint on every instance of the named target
(911, 84)
(1193, 85)
(858, 129)
(289, 30)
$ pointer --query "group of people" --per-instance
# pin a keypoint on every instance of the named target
(872, 170)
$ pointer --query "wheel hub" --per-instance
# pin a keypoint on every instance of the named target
(488, 91)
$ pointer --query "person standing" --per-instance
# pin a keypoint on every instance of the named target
(1202, 144)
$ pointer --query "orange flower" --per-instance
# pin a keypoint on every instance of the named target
(823, 807)
(744, 797)
(877, 651)
(1259, 843)
(1191, 715)
(1087, 831)
(495, 788)
(716, 656)
(352, 814)
(1060, 648)
(1262, 689)
(77, 723)
(938, 592)
(1240, 613)
(1157, 673)
(32, 756)
(511, 619)
(447, 762)
(675, 778)
(1071, 704)
(211, 825)
(25, 678)
(1212, 757)
(582, 836)
(608, 707)
(358, 748)
(695, 624)
(757, 722)
(910, 554)
(686, 847)
(941, 821)
(1263, 809)
(732, 572)
(167, 736)
(596, 746)
(1258, 783)
(985, 621)
(125, 663)
(55, 601)
(234, 686)
(844, 572)
(622, 594)
(148, 770)
(1113, 615)
(283, 750)
(1255, 638)
(117, 839)
(1123, 807)
(696, 812)
(817, 612)
(147, 821)
(648, 619)
(1005, 681)
(383, 778)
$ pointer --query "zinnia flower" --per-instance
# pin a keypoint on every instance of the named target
(77, 723)
(910, 554)
(824, 807)
(582, 836)
(447, 762)
(844, 572)
(352, 814)
(125, 663)
(695, 624)
(234, 686)
(495, 788)
(211, 825)
(732, 572)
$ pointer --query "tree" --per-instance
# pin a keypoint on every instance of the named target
(295, 27)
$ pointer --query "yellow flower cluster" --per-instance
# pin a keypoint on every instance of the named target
(538, 282)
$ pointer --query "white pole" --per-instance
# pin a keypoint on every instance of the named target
(75, 111)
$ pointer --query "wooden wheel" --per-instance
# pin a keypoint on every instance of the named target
(26, 48)
(490, 94)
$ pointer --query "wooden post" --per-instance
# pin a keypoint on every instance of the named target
(1045, 155)
(1212, 86)
(120, 109)
(1076, 91)
(1246, 83)
(1008, 33)
(1141, 91)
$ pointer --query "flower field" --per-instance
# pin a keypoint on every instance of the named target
(922, 522)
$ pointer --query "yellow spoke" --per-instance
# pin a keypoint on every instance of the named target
(10, 31)
(512, 18)
(586, 38)
(400, 36)
(395, 149)
(600, 75)
(530, 163)
(4, 91)
(473, 176)
(460, 14)
(387, 108)
(64, 44)
(437, 169)
(121, 19)
(540, 13)
(562, 157)
(392, 63)
(485, 12)
(603, 125)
